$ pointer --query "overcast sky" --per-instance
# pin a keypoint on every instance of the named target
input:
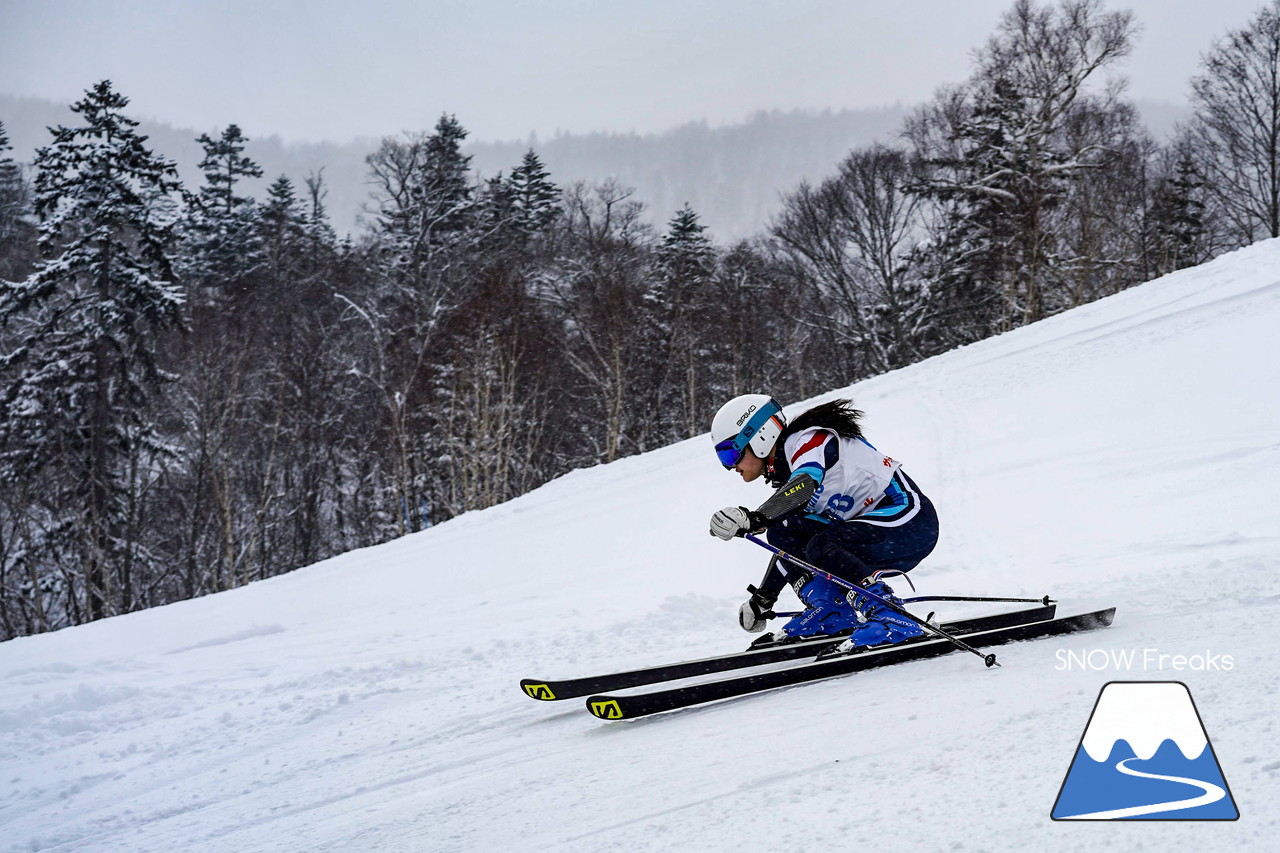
(326, 69)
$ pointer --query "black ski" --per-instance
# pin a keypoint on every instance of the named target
(811, 648)
(641, 704)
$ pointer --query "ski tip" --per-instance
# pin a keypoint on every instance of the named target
(605, 708)
(539, 690)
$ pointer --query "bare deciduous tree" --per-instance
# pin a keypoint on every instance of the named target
(1237, 126)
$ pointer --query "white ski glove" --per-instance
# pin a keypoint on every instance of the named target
(755, 613)
(735, 521)
(730, 522)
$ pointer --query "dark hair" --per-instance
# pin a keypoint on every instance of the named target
(839, 416)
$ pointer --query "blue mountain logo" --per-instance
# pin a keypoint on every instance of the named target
(1145, 755)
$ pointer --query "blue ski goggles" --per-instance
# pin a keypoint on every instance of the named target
(730, 451)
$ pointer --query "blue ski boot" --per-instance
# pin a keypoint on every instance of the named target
(827, 609)
(883, 626)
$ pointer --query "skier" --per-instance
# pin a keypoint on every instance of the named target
(840, 504)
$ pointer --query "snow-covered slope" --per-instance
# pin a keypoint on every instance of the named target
(1125, 453)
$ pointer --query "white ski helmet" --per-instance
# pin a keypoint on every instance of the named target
(752, 420)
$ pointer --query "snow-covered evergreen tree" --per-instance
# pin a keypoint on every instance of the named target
(282, 228)
(17, 236)
(223, 246)
(535, 198)
(495, 219)
(425, 204)
(446, 190)
(677, 303)
(80, 384)
(974, 178)
(319, 228)
(686, 256)
(1177, 218)
(12, 191)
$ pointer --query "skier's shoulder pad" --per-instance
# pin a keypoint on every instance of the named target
(791, 496)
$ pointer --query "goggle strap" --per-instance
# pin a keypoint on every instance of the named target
(739, 442)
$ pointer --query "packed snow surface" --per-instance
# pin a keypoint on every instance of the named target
(1125, 453)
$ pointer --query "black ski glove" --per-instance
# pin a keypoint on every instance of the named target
(756, 612)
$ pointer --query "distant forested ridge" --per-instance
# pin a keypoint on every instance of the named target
(734, 175)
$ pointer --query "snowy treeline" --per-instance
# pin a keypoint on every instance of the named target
(202, 388)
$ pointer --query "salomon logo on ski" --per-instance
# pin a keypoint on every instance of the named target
(539, 691)
(1144, 755)
(606, 710)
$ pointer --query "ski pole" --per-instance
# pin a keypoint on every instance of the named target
(1045, 601)
(988, 659)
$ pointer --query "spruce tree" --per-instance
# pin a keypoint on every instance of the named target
(446, 188)
(496, 218)
(1176, 218)
(991, 201)
(282, 228)
(318, 227)
(81, 384)
(535, 198)
(12, 195)
(223, 249)
(17, 236)
(686, 256)
(677, 303)
(425, 204)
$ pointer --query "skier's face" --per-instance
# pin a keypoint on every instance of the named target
(750, 466)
